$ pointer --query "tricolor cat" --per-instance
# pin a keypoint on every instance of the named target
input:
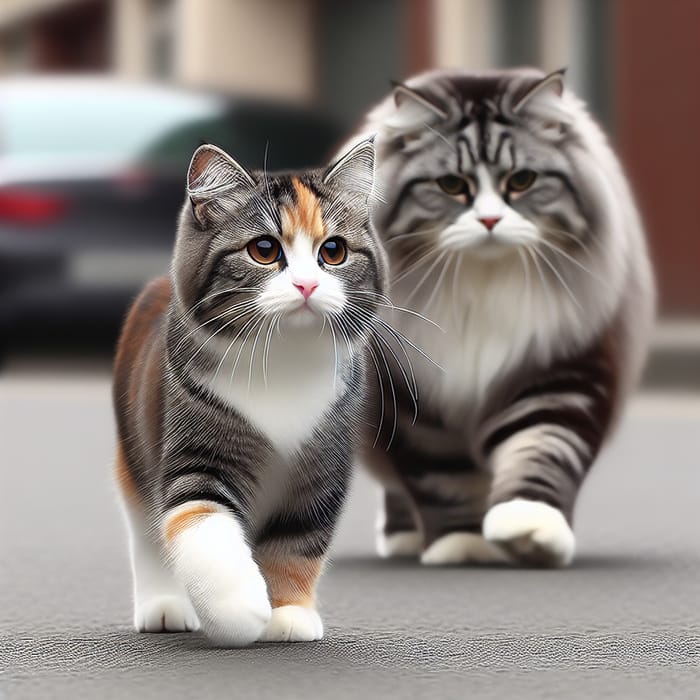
(239, 384)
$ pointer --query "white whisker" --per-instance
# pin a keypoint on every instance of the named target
(455, 295)
(416, 264)
(545, 285)
(213, 335)
(231, 290)
(526, 276)
(247, 305)
(413, 234)
(230, 345)
(252, 352)
(438, 285)
(413, 384)
(266, 347)
(558, 276)
(556, 249)
(401, 309)
(335, 352)
(240, 349)
(423, 279)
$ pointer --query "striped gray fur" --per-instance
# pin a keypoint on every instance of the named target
(544, 294)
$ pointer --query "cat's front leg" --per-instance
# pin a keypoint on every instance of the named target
(291, 580)
(292, 548)
(536, 480)
(539, 449)
(209, 554)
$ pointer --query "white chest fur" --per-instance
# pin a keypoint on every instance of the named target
(491, 323)
(283, 393)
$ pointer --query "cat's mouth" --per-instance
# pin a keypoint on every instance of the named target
(484, 244)
(302, 311)
(304, 314)
(487, 245)
(492, 245)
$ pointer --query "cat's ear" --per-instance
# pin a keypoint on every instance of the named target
(353, 171)
(404, 97)
(413, 111)
(543, 108)
(213, 172)
(551, 86)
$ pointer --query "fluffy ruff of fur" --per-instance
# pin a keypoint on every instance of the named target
(544, 297)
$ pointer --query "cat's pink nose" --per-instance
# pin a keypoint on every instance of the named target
(490, 221)
(306, 287)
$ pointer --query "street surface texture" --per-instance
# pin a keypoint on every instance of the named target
(624, 621)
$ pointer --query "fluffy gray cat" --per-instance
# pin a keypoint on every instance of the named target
(508, 221)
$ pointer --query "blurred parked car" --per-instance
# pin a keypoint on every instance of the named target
(92, 175)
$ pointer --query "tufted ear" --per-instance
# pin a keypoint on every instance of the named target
(551, 85)
(354, 171)
(213, 172)
(404, 95)
(413, 111)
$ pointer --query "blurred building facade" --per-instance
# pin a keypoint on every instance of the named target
(219, 44)
(54, 35)
(634, 61)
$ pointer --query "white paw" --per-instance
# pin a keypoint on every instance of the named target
(533, 532)
(223, 581)
(239, 618)
(399, 544)
(165, 613)
(462, 548)
(293, 623)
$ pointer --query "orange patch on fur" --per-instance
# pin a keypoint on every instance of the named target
(186, 517)
(304, 217)
(125, 480)
(291, 581)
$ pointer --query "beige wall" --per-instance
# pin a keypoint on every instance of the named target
(130, 40)
(261, 47)
(15, 54)
(466, 34)
(463, 34)
(257, 47)
(17, 10)
(265, 47)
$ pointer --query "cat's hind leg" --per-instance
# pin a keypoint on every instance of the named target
(451, 504)
(397, 531)
(160, 601)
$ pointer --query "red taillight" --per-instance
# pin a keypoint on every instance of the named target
(30, 207)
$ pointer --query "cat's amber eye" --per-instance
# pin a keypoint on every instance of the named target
(452, 185)
(521, 180)
(333, 252)
(265, 250)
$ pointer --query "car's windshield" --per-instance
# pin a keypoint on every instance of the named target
(256, 135)
(101, 128)
(40, 123)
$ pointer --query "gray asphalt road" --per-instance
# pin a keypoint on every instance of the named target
(623, 622)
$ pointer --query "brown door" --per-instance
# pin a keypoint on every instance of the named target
(657, 93)
(74, 38)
